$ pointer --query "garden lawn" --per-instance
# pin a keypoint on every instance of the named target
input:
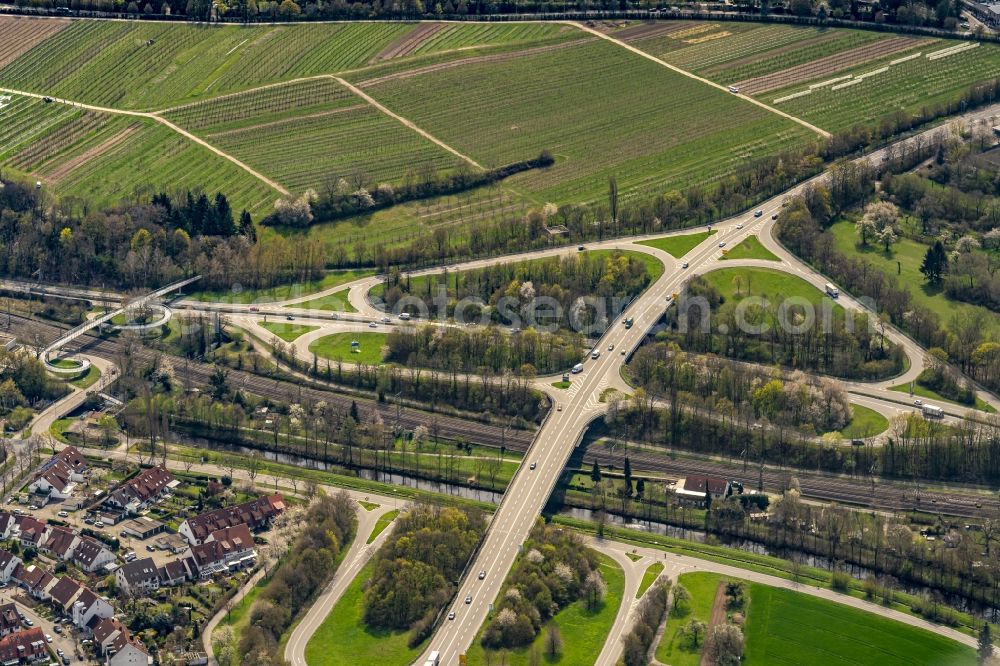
(335, 302)
(750, 248)
(910, 255)
(787, 627)
(865, 422)
(648, 578)
(287, 332)
(583, 631)
(88, 379)
(337, 347)
(678, 246)
(673, 648)
(924, 392)
(344, 640)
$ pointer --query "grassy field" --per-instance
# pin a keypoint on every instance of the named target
(337, 347)
(649, 577)
(88, 379)
(343, 639)
(749, 248)
(583, 631)
(335, 302)
(736, 284)
(673, 648)
(282, 292)
(678, 246)
(786, 627)
(382, 523)
(865, 422)
(549, 103)
(287, 331)
(904, 261)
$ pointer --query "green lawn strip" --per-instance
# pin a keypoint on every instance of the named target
(750, 248)
(652, 573)
(904, 261)
(287, 332)
(924, 392)
(674, 648)
(88, 379)
(282, 292)
(738, 283)
(58, 428)
(865, 422)
(788, 627)
(239, 616)
(344, 640)
(337, 347)
(583, 631)
(369, 506)
(382, 523)
(335, 302)
(66, 363)
(678, 246)
(765, 564)
(561, 385)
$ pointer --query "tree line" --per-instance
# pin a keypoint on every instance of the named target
(328, 526)
(844, 344)
(555, 571)
(796, 400)
(417, 568)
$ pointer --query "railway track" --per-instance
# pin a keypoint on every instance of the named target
(884, 495)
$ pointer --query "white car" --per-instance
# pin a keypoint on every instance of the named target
(451, 615)
(722, 243)
(918, 403)
(48, 638)
(468, 599)
(611, 347)
(533, 466)
(386, 320)
(372, 325)
(684, 265)
(63, 514)
(739, 226)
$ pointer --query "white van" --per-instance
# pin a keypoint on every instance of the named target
(578, 368)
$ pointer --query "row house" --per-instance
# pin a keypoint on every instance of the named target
(223, 551)
(143, 576)
(23, 647)
(90, 554)
(256, 514)
(89, 609)
(35, 580)
(10, 619)
(65, 593)
(59, 541)
(113, 641)
(29, 531)
(57, 477)
(8, 562)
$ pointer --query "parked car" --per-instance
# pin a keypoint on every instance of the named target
(63, 514)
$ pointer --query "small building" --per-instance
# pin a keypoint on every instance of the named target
(693, 489)
(172, 573)
(256, 515)
(10, 620)
(138, 577)
(141, 528)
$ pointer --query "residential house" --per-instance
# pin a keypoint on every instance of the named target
(90, 554)
(34, 579)
(105, 633)
(65, 593)
(72, 458)
(59, 541)
(223, 551)
(10, 620)
(172, 573)
(8, 525)
(256, 514)
(142, 490)
(8, 562)
(89, 609)
(693, 489)
(128, 652)
(24, 647)
(30, 531)
(138, 577)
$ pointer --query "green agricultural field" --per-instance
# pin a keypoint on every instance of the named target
(344, 640)
(337, 347)
(910, 255)
(551, 102)
(786, 627)
(750, 248)
(673, 648)
(678, 246)
(907, 86)
(287, 331)
(583, 631)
